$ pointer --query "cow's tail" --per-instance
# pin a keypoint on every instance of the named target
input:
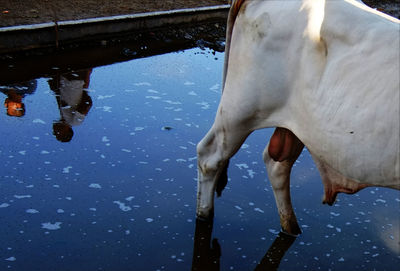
(233, 12)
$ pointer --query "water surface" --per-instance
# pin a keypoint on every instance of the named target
(120, 193)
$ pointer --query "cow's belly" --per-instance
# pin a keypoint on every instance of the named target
(368, 160)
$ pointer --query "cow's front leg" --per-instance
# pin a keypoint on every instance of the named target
(279, 156)
(213, 154)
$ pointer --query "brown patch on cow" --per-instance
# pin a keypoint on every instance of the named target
(233, 13)
(283, 145)
(237, 5)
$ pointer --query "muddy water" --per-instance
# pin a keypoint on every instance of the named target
(118, 192)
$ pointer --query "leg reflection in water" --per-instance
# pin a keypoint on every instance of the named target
(275, 253)
(207, 253)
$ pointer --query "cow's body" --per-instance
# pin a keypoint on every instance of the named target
(327, 74)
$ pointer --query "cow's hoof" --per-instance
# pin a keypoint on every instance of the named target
(291, 227)
(294, 233)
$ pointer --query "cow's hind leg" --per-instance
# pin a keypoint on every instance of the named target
(213, 154)
(279, 156)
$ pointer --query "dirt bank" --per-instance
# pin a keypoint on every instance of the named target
(40, 11)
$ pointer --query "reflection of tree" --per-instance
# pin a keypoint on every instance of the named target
(207, 253)
(73, 102)
(15, 94)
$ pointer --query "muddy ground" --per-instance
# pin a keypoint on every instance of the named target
(18, 12)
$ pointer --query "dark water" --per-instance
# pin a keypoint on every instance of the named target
(121, 193)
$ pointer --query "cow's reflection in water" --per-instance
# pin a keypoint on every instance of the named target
(207, 251)
(276, 251)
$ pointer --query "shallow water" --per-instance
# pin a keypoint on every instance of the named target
(121, 194)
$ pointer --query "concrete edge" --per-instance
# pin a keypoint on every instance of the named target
(25, 37)
(113, 18)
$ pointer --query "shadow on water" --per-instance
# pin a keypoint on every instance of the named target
(25, 66)
(207, 251)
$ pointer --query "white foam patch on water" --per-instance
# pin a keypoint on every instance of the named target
(32, 211)
(273, 231)
(122, 206)
(4, 205)
(105, 108)
(51, 226)
(242, 166)
(172, 102)
(11, 259)
(142, 84)
(245, 146)
(102, 97)
(215, 87)
(153, 97)
(67, 169)
(149, 220)
(258, 210)
(95, 185)
(335, 214)
(251, 173)
(39, 121)
(22, 196)
(204, 105)
(181, 160)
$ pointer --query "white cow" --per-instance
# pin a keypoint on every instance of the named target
(326, 74)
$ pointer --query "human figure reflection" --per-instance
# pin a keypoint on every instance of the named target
(207, 253)
(73, 102)
(15, 94)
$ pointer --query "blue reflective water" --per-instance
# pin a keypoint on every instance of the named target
(119, 194)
